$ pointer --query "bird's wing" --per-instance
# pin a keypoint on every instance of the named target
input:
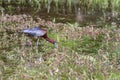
(40, 33)
(36, 31)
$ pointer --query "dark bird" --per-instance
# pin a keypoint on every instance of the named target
(39, 32)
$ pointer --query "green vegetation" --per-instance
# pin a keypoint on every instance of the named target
(85, 52)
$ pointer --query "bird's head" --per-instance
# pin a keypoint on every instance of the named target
(56, 45)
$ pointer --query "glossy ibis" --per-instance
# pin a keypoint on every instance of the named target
(39, 32)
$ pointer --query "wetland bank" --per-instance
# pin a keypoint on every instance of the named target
(88, 50)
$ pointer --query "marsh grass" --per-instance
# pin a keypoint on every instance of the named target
(84, 53)
(61, 5)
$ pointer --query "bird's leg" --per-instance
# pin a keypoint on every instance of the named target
(37, 43)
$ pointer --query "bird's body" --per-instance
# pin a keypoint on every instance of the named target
(36, 31)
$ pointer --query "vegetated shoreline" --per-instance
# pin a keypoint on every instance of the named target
(87, 52)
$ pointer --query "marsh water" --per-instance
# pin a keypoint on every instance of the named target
(90, 17)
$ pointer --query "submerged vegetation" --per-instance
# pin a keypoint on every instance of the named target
(85, 52)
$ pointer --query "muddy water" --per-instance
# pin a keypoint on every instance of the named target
(62, 17)
(90, 17)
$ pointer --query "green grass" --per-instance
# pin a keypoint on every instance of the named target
(84, 53)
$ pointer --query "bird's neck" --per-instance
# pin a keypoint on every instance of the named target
(50, 40)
